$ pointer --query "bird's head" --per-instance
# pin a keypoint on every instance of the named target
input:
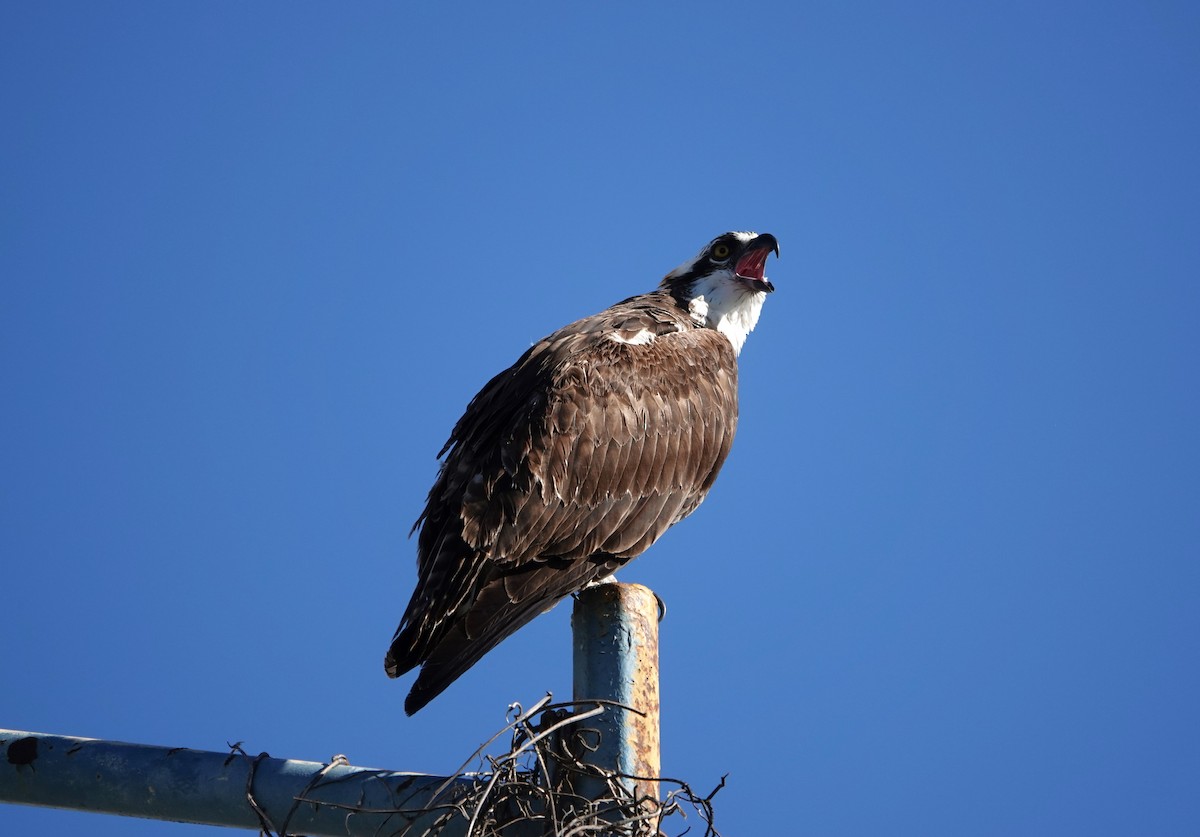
(724, 285)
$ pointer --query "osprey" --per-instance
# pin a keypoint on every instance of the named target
(578, 457)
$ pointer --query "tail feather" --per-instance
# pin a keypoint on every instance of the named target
(506, 603)
(400, 658)
(457, 652)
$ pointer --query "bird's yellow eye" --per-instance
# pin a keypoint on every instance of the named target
(720, 252)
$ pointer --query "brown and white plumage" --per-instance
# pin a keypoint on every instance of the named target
(577, 458)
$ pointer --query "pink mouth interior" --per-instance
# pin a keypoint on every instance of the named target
(750, 266)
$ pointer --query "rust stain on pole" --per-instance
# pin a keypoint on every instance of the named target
(616, 659)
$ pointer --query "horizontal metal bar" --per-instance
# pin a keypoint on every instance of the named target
(212, 788)
(616, 663)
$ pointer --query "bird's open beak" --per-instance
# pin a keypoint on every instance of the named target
(751, 265)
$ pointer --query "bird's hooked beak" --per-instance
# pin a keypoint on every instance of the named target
(751, 264)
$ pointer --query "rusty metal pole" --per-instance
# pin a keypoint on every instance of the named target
(615, 628)
(214, 788)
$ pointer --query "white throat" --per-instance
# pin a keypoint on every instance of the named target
(722, 302)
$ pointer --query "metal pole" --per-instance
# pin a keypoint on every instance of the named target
(184, 785)
(616, 662)
(616, 659)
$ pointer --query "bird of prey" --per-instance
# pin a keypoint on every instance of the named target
(578, 457)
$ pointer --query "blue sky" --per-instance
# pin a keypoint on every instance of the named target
(256, 258)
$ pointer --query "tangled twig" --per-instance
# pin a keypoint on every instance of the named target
(534, 784)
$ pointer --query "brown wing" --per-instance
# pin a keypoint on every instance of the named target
(563, 468)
